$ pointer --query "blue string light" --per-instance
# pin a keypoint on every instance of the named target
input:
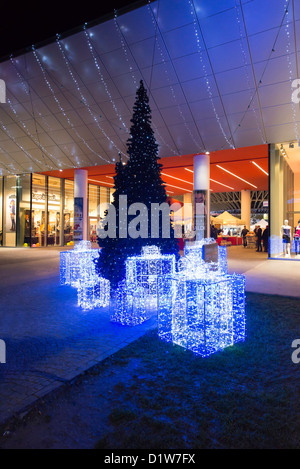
(202, 307)
(136, 297)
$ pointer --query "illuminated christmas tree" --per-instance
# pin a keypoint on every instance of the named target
(140, 180)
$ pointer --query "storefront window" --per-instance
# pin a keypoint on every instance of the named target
(23, 191)
(94, 198)
(285, 201)
(69, 212)
(38, 216)
(1, 204)
(104, 199)
(54, 210)
(9, 211)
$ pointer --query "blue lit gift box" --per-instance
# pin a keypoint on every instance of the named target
(135, 300)
(201, 308)
(208, 315)
(77, 264)
(128, 305)
(93, 292)
(208, 250)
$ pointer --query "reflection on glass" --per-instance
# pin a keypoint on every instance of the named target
(10, 204)
(53, 237)
(1, 202)
(285, 202)
(94, 194)
(38, 217)
(69, 212)
(23, 187)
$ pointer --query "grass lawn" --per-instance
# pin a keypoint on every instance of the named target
(153, 395)
(244, 397)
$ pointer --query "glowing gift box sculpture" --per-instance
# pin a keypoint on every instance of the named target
(93, 292)
(128, 306)
(208, 315)
(208, 250)
(200, 308)
(78, 269)
(136, 298)
(77, 263)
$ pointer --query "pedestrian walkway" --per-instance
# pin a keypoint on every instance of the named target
(50, 340)
(263, 275)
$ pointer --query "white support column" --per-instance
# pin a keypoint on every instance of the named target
(246, 208)
(202, 196)
(80, 205)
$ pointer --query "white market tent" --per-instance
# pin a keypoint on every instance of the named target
(227, 219)
(262, 223)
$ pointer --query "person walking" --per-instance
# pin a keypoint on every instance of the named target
(244, 235)
(259, 237)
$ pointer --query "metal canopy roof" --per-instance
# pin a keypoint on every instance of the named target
(219, 75)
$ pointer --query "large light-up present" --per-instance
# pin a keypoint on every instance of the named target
(135, 300)
(203, 315)
(128, 306)
(77, 264)
(208, 250)
(201, 307)
(93, 292)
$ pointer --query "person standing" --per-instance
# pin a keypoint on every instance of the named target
(265, 238)
(244, 235)
(259, 237)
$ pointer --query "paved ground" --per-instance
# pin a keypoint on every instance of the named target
(50, 340)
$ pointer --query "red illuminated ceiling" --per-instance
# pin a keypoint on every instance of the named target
(178, 175)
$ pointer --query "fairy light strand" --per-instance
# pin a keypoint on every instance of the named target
(71, 125)
(83, 99)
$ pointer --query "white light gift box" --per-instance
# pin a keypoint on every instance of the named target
(93, 292)
(208, 250)
(136, 298)
(78, 269)
(77, 263)
(200, 308)
(127, 306)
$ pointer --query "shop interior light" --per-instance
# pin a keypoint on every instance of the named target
(260, 168)
(101, 182)
(181, 188)
(173, 177)
(283, 151)
(238, 177)
(213, 180)
(221, 184)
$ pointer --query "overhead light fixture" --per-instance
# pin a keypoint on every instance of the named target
(181, 188)
(221, 184)
(260, 168)
(213, 180)
(178, 179)
(234, 175)
(101, 182)
(207, 152)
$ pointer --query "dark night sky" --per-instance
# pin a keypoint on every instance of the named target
(24, 23)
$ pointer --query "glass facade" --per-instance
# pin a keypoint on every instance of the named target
(9, 211)
(68, 211)
(284, 202)
(36, 211)
(94, 201)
